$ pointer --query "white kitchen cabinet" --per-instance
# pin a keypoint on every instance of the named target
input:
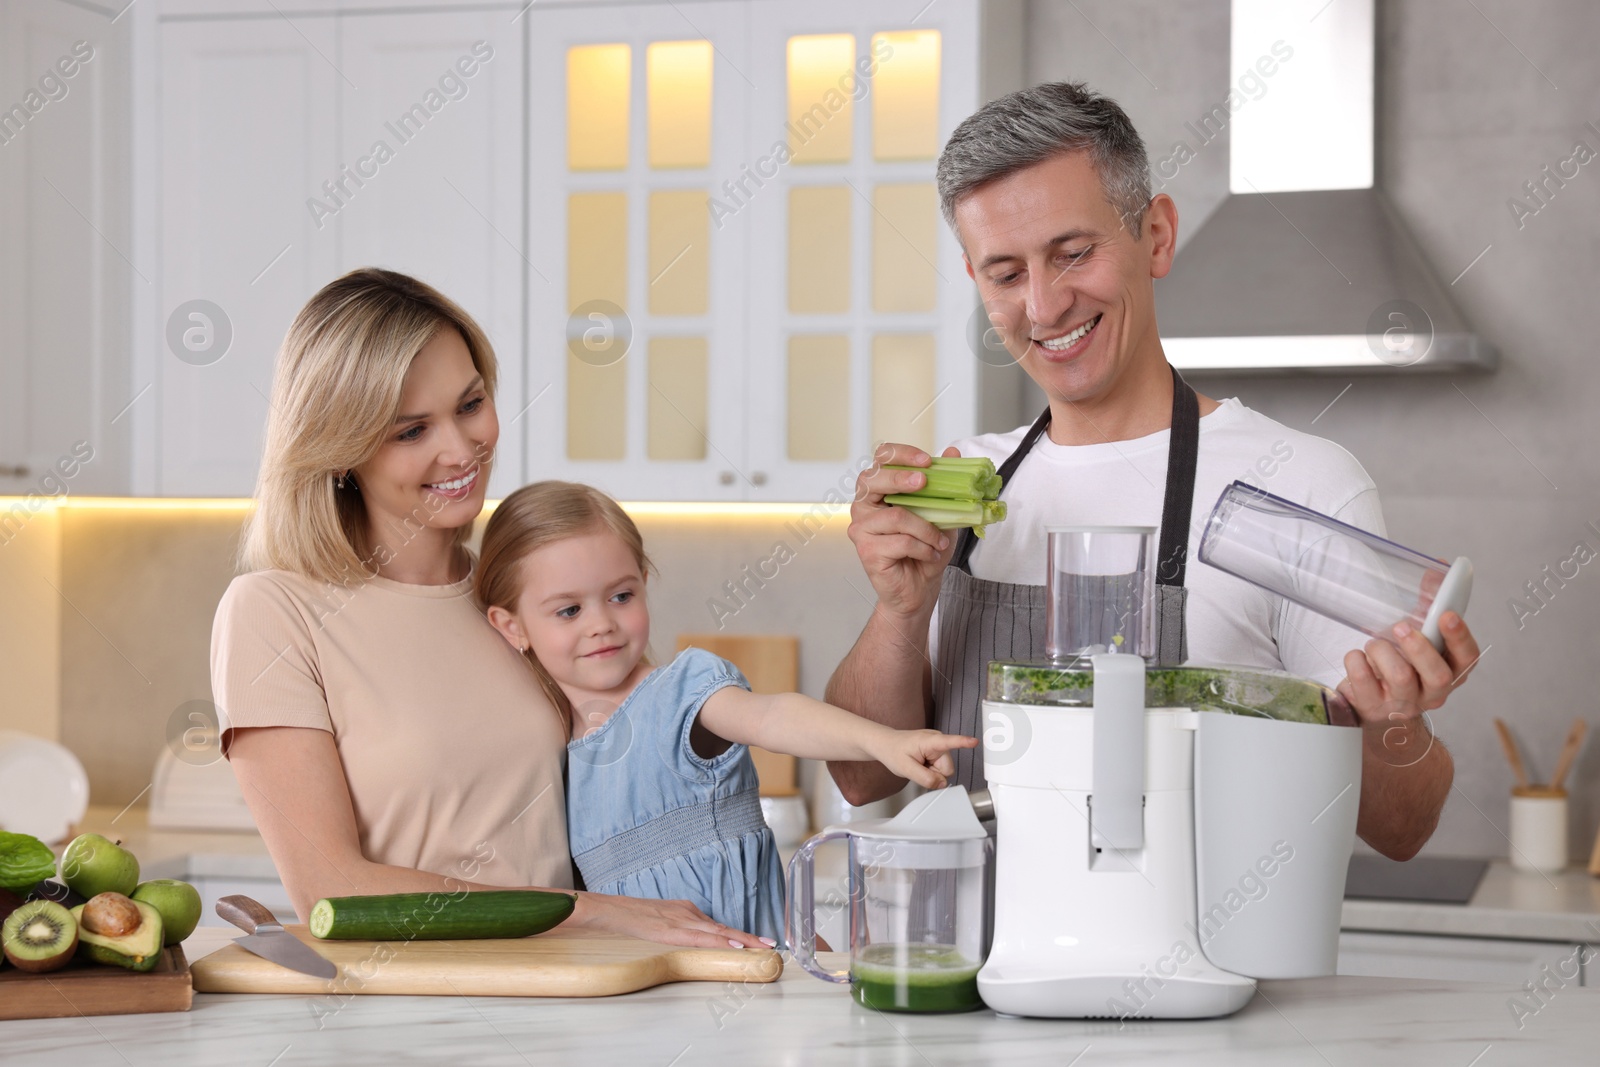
(273, 183)
(817, 307)
(66, 266)
(247, 134)
(1458, 959)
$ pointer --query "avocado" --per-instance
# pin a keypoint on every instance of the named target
(137, 950)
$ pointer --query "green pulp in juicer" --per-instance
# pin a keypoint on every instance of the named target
(1235, 690)
(902, 977)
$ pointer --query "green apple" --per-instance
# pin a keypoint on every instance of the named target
(91, 865)
(178, 902)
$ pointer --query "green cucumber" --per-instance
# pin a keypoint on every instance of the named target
(440, 916)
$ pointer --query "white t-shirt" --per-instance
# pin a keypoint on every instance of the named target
(1122, 483)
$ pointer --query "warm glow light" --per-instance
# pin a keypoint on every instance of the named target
(678, 77)
(731, 510)
(597, 106)
(157, 503)
(905, 95)
(655, 509)
(822, 75)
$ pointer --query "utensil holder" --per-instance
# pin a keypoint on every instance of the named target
(1538, 828)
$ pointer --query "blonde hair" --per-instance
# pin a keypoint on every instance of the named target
(530, 518)
(336, 391)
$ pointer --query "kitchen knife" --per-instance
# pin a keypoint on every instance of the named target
(269, 940)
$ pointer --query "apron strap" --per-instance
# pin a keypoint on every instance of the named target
(969, 540)
(1183, 450)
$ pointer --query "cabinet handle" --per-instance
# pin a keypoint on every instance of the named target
(726, 477)
(17, 470)
(759, 477)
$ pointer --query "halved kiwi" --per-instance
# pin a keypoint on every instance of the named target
(39, 936)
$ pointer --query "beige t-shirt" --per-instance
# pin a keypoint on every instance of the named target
(451, 751)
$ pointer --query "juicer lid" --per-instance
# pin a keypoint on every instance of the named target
(939, 815)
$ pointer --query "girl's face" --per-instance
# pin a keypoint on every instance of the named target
(433, 470)
(582, 611)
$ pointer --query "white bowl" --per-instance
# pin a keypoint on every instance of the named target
(44, 790)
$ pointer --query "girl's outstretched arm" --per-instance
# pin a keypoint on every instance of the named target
(797, 725)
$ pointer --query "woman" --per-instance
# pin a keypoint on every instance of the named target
(385, 737)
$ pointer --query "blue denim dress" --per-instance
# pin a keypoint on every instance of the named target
(646, 817)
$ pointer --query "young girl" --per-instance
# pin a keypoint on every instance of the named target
(661, 790)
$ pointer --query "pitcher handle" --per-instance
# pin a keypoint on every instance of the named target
(801, 915)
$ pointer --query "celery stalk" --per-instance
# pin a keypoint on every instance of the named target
(956, 479)
(951, 514)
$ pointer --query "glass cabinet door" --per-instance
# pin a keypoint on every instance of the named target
(636, 327)
(741, 282)
(858, 310)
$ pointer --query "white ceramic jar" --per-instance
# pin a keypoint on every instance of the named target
(1538, 828)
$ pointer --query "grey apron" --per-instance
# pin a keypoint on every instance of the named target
(980, 620)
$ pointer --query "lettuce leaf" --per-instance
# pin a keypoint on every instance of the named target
(24, 860)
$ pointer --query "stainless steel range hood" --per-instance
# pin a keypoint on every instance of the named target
(1305, 266)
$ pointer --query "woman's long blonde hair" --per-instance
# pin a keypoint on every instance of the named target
(530, 518)
(335, 393)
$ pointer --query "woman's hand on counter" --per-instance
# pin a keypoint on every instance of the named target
(670, 922)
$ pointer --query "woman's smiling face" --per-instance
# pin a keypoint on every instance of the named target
(433, 470)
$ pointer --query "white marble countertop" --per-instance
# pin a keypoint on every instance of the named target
(1520, 905)
(1509, 903)
(1327, 1022)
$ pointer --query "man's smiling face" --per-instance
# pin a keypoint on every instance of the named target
(1064, 281)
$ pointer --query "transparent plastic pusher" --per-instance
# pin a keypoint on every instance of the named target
(1331, 567)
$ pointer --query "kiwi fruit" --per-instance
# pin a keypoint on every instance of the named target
(39, 936)
(9, 902)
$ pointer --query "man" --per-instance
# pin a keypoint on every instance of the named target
(1048, 191)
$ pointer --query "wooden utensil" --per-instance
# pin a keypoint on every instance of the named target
(1512, 755)
(558, 964)
(1569, 752)
(771, 662)
(83, 988)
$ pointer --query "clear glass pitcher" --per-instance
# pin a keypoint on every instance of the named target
(918, 906)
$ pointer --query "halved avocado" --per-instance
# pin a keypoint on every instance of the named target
(139, 950)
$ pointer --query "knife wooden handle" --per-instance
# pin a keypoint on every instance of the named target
(245, 912)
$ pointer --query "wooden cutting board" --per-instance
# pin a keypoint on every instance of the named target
(557, 964)
(771, 663)
(84, 988)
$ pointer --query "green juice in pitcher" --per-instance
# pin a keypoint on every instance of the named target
(914, 977)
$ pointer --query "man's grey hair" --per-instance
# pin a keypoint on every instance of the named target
(1032, 125)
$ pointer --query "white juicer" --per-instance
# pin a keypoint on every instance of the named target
(1165, 836)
